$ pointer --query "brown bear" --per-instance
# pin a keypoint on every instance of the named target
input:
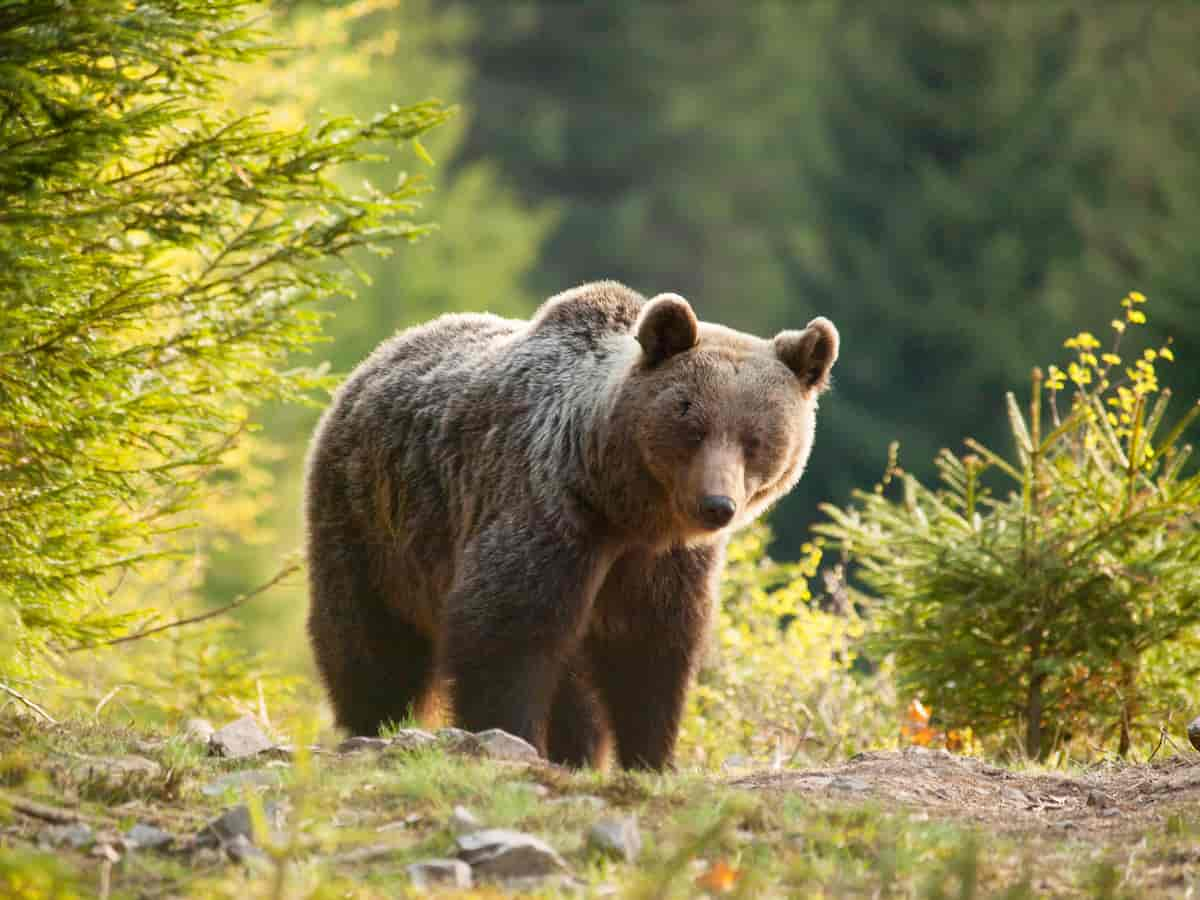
(534, 514)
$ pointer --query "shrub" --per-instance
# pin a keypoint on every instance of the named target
(1040, 608)
(158, 254)
(781, 679)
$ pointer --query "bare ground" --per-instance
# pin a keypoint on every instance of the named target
(1101, 803)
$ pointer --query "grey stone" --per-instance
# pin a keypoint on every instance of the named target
(235, 822)
(147, 837)
(411, 739)
(850, 783)
(198, 730)
(239, 739)
(616, 836)
(464, 820)
(1193, 732)
(76, 836)
(248, 778)
(457, 741)
(1099, 800)
(497, 744)
(242, 850)
(115, 768)
(438, 872)
(360, 743)
(498, 853)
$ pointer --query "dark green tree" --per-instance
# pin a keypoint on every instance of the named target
(975, 188)
(657, 130)
(942, 191)
(159, 255)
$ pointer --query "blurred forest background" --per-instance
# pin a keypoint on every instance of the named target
(958, 185)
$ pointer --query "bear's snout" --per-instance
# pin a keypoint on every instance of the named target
(717, 510)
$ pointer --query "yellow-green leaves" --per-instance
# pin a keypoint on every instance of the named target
(159, 252)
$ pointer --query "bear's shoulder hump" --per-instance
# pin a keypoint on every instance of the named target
(597, 308)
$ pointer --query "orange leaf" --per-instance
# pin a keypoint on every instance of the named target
(720, 878)
(916, 713)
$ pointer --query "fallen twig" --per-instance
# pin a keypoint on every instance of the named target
(21, 698)
(54, 814)
(1162, 736)
(201, 617)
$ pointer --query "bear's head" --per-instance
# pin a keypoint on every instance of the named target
(723, 420)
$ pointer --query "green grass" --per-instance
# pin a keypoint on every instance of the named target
(767, 844)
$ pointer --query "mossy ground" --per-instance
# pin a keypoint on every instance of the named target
(354, 822)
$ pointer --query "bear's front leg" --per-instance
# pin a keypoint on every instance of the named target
(648, 631)
(513, 619)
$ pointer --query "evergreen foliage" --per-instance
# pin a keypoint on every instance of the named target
(158, 255)
(1061, 604)
(944, 192)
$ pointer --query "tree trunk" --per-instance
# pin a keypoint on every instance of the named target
(1033, 702)
(1033, 718)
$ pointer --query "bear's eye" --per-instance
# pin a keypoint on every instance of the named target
(685, 407)
(751, 444)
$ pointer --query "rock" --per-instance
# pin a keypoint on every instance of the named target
(498, 853)
(115, 768)
(239, 739)
(199, 731)
(456, 740)
(252, 778)
(226, 827)
(1099, 800)
(1193, 732)
(850, 783)
(75, 836)
(147, 837)
(462, 819)
(411, 739)
(242, 850)
(616, 836)
(360, 743)
(497, 744)
(436, 872)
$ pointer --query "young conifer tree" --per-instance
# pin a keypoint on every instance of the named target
(159, 256)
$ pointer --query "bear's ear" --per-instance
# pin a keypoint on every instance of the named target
(810, 353)
(665, 327)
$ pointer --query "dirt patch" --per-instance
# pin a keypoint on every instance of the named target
(1102, 801)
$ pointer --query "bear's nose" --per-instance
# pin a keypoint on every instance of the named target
(716, 510)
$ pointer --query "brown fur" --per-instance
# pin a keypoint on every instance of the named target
(523, 510)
